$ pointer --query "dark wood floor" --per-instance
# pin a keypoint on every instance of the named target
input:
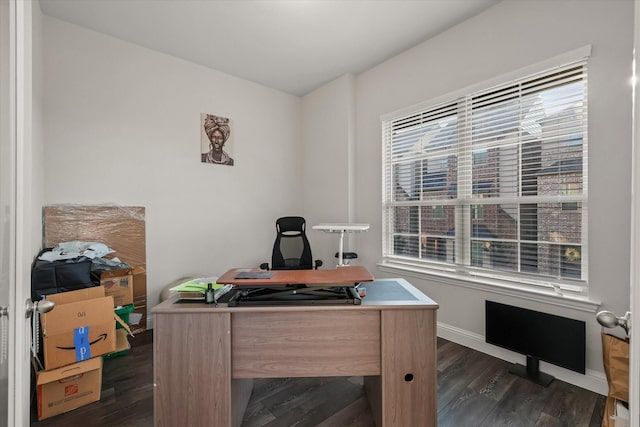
(473, 390)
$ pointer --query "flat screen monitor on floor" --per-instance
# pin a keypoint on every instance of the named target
(537, 335)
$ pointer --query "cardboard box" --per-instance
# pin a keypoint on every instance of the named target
(80, 326)
(138, 319)
(139, 282)
(119, 285)
(70, 387)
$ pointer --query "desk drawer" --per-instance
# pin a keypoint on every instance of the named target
(315, 343)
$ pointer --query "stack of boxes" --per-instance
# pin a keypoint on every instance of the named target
(122, 228)
(92, 323)
(75, 335)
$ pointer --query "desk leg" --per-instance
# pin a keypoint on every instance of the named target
(405, 393)
(192, 370)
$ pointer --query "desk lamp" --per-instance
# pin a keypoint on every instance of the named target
(341, 228)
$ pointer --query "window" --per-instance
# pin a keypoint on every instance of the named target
(570, 187)
(477, 212)
(493, 183)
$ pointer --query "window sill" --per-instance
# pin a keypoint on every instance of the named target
(575, 302)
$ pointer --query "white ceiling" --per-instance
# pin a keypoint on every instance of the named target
(292, 45)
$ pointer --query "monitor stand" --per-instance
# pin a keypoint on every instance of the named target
(532, 372)
(295, 295)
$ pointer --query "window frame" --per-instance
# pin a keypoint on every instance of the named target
(520, 281)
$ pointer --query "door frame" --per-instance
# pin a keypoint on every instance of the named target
(634, 300)
(7, 204)
(19, 356)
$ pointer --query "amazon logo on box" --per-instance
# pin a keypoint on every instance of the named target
(80, 326)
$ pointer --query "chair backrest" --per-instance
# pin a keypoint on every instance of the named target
(291, 250)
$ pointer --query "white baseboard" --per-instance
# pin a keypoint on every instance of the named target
(592, 380)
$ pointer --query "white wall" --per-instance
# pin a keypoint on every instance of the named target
(328, 120)
(122, 126)
(505, 38)
(36, 167)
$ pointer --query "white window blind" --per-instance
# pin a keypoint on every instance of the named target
(493, 183)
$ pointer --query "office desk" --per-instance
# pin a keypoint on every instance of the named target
(205, 357)
(348, 275)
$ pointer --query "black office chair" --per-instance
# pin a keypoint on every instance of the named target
(291, 250)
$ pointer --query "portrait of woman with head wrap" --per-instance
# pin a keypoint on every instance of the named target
(217, 131)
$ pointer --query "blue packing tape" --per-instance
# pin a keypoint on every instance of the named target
(82, 344)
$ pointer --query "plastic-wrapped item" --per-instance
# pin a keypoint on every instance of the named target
(122, 228)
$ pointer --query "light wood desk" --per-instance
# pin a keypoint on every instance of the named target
(343, 275)
(205, 357)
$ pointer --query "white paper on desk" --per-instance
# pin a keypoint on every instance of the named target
(205, 280)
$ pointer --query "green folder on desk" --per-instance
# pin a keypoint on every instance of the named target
(197, 285)
(194, 289)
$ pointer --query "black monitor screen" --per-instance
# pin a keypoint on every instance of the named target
(553, 339)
